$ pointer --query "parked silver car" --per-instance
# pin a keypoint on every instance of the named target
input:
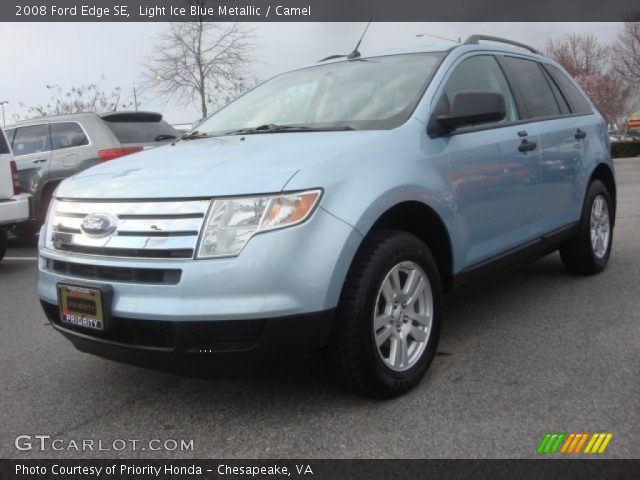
(49, 149)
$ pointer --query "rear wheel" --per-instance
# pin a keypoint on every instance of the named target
(388, 318)
(588, 252)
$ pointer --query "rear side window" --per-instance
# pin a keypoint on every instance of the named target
(578, 103)
(559, 96)
(67, 135)
(4, 146)
(532, 89)
(132, 130)
(31, 139)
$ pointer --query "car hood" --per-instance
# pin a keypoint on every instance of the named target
(229, 165)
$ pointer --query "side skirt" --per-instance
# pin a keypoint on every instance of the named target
(524, 253)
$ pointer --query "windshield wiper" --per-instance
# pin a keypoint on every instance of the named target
(273, 128)
(195, 135)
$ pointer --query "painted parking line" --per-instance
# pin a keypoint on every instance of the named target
(25, 259)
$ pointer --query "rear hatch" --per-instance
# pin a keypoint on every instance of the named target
(6, 180)
(134, 129)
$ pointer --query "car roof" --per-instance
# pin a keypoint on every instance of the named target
(458, 49)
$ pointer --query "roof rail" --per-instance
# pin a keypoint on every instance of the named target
(475, 40)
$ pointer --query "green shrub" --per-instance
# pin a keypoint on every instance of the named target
(625, 149)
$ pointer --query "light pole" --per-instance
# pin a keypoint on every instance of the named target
(3, 103)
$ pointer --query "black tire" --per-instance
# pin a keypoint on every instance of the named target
(26, 231)
(353, 350)
(578, 255)
(3, 243)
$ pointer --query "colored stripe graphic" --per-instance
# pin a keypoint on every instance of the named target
(550, 443)
(572, 443)
(598, 443)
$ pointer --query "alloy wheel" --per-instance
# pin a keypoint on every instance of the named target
(402, 320)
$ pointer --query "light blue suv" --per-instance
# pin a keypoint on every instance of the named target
(332, 206)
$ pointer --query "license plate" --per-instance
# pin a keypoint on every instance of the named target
(81, 306)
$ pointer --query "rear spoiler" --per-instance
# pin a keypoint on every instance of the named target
(131, 117)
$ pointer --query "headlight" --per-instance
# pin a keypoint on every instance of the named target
(231, 222)
(48, 224)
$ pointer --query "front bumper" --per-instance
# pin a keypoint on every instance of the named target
(15, 209)
(284, 283)
(167, 345)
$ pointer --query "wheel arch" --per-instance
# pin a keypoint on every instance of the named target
(46, 190)
(424, 222)
(604, 173)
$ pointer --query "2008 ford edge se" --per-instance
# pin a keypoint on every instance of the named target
(333, 206)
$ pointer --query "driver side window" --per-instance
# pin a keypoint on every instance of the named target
(477, 74)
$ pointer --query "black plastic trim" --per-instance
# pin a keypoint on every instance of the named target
(528, 251)
(171, 343)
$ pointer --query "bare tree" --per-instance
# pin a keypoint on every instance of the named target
(84, 98)
(591, 64)
(579, 54)
(613, 97)
(203, 62)
(626, 51)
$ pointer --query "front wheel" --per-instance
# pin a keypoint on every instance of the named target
(388, 317)
(588, 252)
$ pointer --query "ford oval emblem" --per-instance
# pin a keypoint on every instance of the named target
(99, 224)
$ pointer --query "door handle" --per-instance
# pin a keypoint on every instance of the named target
(523, 133)
(40, 160)
(527, 146)
(580, 134)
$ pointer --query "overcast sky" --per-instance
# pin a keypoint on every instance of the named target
(70, 54)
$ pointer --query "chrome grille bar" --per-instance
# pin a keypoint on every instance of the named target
(146, 229)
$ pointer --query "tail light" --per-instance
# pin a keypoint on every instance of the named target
(112, 153)
(14, 178)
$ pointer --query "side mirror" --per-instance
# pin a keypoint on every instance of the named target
(470, 108)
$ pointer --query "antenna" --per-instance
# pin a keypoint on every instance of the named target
(356, 53)
(459, 40)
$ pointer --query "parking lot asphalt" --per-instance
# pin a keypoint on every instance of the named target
(530, 351)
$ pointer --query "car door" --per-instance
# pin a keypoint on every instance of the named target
(31, 145)
(69, 142)
(561, 140)
(491, 167)
(584, 130)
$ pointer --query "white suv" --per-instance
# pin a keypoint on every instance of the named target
(14, 206)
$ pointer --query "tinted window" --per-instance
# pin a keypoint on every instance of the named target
(67, 135)
(559, 96)
(578, 103)
(477, 74)
(141, 132)
(4, 146)
(31, 139)
(534, 95)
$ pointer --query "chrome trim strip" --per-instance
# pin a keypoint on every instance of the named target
(146, 229)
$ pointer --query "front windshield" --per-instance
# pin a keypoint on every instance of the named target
(362, 94)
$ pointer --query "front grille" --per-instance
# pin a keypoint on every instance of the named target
(145, 229)
(165, 276)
